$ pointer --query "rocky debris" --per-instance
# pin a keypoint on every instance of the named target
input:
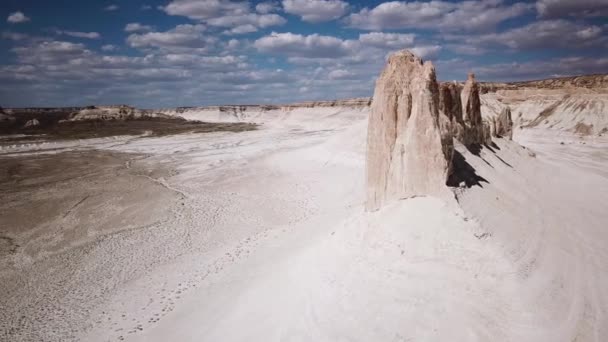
(32, 123)
(503, 124)
(406, 155)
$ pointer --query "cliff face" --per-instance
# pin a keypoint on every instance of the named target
(405, 149)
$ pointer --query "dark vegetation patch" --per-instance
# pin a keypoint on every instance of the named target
(52, 126)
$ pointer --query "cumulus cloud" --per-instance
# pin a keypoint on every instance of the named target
(109, 48)
(223, 13)
(473, 15)
(241, 29)
(551, 9)
(290, 44)
(50, 52)
(546, 34)
(426, 51)
(251, 19)
(556, 67)
(17, 18)
(77, 34)
(316, 11)
(387, 40)
(15, 36)
(111, 8)
(137, 27)
(182, 36)
(340, 74)
(266, 7)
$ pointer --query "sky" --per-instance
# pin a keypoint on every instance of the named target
(168, 53)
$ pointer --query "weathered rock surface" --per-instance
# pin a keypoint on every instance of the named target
(473, 131)
(471, 104)
(503, 124)
(449, 100)
(450, 108)
(32, 123)
(405, 153)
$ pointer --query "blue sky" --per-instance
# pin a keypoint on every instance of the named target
(201, 52)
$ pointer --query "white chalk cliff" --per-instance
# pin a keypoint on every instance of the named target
(405, 155)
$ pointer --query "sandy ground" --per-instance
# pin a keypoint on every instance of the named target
(261, 236)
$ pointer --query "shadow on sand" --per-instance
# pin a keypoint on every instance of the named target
(463, 172)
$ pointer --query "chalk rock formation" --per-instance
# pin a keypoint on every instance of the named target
(474, 131)
(405, 153)
(450, 107)
(32, 123)
(503, 124)
(118, 113)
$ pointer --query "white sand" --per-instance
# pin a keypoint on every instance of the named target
(272, 244)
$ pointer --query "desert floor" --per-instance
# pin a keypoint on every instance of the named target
(261, 236)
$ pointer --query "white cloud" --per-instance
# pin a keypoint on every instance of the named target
(17, 18)
(137, 27)
(111, 8)
(182, 36)
(241, 29)
(543, 68)
(473, 15)
(76, 34)
(109, 47)
(15, 36)
(387, 40)
(255, 20)
(233, 44)
(223, 13)
(340, 74)
(206, 9)
(316, 11)
(50, 52)
(545, 34)
(572, 8)
(312, 46)
(266, 7)
(426, 51)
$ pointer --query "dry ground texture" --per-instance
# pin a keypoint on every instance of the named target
(261, 235)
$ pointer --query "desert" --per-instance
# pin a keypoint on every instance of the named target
(183, 236)
(344, 189)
